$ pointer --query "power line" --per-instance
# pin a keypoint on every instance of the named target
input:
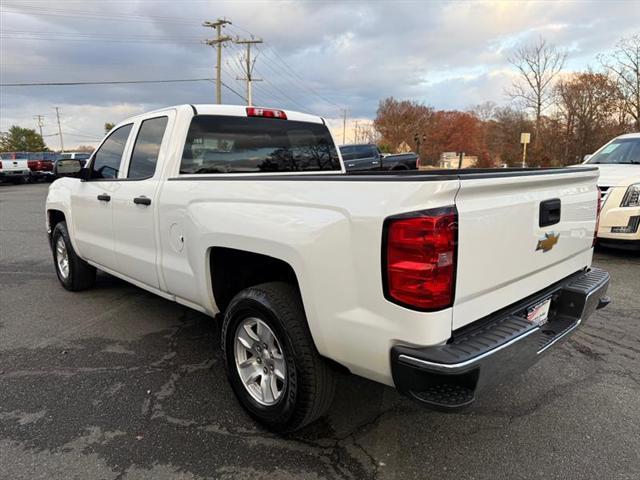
(287, 69)
(93, 15)
(115, 82)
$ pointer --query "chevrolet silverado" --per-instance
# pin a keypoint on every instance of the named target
(438, 283)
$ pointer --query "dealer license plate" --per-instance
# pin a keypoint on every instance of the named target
(538, 314)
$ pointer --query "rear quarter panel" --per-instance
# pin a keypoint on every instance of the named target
(330, 232)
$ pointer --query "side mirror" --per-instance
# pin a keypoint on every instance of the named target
(587, 157)
(68, 168)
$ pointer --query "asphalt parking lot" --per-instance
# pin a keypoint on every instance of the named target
(116, 383)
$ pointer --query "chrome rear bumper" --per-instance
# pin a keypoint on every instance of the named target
(483, 353)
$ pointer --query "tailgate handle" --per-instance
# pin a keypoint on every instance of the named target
(549, 212)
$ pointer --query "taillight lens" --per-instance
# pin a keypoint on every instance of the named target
(419, 261)
(266, 112)
(599, 209)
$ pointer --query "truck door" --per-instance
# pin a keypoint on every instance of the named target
(91, 201)
(134, 202)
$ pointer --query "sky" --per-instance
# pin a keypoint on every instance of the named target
(318, 56)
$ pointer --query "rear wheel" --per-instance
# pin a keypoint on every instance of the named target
(271, 361)
(74, 273)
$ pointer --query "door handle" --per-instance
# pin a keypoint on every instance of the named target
(142, 200)
(104, 197)
(549, 212)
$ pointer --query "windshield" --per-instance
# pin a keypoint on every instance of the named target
(621, 151)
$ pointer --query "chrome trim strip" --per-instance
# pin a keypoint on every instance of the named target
(417, 361)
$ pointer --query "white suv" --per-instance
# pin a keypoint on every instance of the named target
(619, 183)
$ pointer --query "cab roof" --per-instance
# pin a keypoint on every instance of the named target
(235, 111)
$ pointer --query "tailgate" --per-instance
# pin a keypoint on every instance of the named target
(14, 166)
(505, 252)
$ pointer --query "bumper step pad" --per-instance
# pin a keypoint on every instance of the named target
(445, 396)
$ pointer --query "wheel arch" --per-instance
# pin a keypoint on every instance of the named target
(54, 216)
(232, 270)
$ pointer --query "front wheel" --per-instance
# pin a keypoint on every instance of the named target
(271, 361)
(74, 273)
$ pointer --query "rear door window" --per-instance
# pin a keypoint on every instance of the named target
(226, 144)
(147, 147)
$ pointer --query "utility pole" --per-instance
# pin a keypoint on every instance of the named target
(59, 130)
(344, 125)
(356, 136)
(249, 67)
(217, 42)
(40, 119)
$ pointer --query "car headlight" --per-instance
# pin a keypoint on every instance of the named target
(632, 197)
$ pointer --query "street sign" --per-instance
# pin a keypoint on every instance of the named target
(524, 139)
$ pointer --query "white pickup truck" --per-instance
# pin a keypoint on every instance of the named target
(438, 282)
(14, 167)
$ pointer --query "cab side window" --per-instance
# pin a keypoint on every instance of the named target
(147, 147)
(106, 161)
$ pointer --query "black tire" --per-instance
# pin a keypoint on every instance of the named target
(18, 181)
(310, 384)
(82, 276)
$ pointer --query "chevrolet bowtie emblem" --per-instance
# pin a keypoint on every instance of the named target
(547, 243)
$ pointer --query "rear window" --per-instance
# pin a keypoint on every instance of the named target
(14, 156)
(46, 156)
(354, 152)
(225, 144)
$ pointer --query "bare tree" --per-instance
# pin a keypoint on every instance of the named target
(484, 111)
(537, 65)
(624, 64)
(588, 111)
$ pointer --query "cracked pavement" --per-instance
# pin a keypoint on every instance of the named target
(116, 383)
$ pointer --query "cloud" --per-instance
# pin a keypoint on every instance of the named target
(317, 56)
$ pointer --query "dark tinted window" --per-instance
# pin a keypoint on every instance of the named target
(354, 152)
(221, 144)
(46, 156)
(624, 150)
(146, 149)
(348, 153)
(106, 163)
(14, 156)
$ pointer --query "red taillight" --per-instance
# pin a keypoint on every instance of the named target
(599, 207)
(420, 258)
(266, 112)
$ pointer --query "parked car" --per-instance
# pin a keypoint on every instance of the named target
(41, 165)
(619, 182)
(407, 278)
(83, 156)
(14, 167)
(368, 157)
